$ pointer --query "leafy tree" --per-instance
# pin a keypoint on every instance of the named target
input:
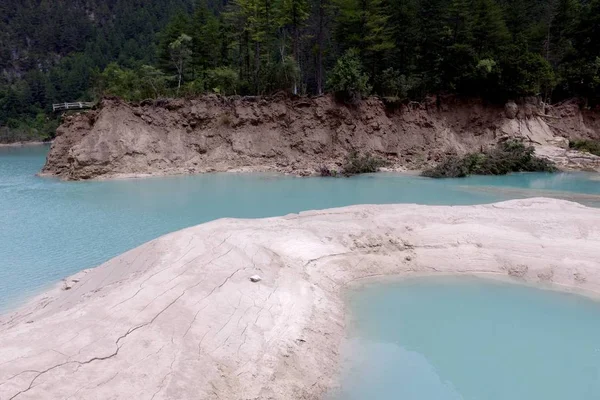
(154, 80)
(181, 53)
(222, 80)
(396, 86)
(292, 15)
(117, 81)
(177, 26)
(528, 74)
(347, 79)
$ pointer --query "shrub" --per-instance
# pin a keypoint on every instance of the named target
(194, 88)
(283, 75)
(589, 146)
(396, 87)
(347, 79)
(121, 82)
(222, 80)
(153, 80)
(507, 157)
(326, 172)
(362, 164)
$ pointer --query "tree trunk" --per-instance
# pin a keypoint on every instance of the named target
(320, 50)
(295, 41)
(256, 66)
(180, 76)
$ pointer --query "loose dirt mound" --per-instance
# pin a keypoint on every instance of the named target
(292, 135)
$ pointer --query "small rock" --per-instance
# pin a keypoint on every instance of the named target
(517, 271)
(255, 278)
(511, 110)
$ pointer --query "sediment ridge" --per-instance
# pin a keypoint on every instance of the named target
(252, 309)
(299, 135)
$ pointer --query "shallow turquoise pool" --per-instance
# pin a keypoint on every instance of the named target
(470, 339)
(52, 229)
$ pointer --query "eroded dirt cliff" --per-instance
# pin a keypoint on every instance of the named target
(300, 135)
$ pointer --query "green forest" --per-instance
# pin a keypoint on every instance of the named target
(62, 51)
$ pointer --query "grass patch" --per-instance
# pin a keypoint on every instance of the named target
(507, 157)
(588, 146)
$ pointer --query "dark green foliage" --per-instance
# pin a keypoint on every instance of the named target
(347, 79)
(394, 86)
(327, 172)
(222, 80)
(57, 51)
(54, 51)
(588, 146)
(527, 74)
(507, 157)
(39, 128)
(357, 163)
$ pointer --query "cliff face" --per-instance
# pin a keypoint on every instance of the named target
(296, 135)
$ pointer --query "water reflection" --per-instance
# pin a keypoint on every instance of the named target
(377, 370)
(467, 338)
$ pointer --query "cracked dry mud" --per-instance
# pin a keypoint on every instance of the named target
(178, 318)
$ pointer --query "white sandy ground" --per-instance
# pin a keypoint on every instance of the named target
(178, 318)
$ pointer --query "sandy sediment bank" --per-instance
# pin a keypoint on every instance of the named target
(179, 317)
(299, 136)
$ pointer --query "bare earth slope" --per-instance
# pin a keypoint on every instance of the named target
(179, 318)
(299, 135)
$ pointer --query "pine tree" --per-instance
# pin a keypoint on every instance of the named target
(255, 15)
(323, 14)
(206, 38)
(562, 29)
(461, 21)
(432, 43)
(490, 33)
(292, 15)
(405, 29)
(518, 18)
(363, 24)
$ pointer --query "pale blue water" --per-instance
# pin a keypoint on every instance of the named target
(51, 229)
(469, 339)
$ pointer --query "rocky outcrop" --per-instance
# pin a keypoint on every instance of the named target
(180, 317)
(295, 135)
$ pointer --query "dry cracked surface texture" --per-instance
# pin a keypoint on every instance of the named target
(179, 317)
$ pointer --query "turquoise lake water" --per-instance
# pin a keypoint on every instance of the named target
(469, 339)
(52, 229)
(421, 340)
